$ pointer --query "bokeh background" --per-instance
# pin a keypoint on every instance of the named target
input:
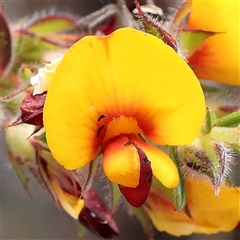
(37, 217)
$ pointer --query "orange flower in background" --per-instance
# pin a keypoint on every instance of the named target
(217, 57)
(206, 212)
(108, 94)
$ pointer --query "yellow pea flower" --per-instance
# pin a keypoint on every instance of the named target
(206, 212)
(107, 93)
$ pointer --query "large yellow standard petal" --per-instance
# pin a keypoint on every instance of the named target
(207, 213)
(218, 57)
(128, 78)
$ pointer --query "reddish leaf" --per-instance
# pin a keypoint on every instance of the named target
(137, 196)
(229, 109)
(96, 217)
(5, 44)
(32, 108)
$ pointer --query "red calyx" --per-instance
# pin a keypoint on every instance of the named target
(96, 217)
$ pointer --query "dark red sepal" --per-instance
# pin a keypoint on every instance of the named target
(95, 216)
(137, 196)
(32, 108)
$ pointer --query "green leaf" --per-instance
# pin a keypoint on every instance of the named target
(52, 24)
(230, 120)
(177, 195)
(190, 40)
(210, 121)
(180, 190)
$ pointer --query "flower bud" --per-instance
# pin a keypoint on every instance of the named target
(208, 157)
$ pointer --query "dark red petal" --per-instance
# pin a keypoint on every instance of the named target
(96, 217)
(137, 196)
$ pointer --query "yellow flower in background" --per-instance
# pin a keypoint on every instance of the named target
(217, 57)
(108, 93)
(206, 212)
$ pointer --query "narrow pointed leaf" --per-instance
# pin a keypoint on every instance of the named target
(230, 120)
(190, 40)
(180, 190)
(210, 121)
